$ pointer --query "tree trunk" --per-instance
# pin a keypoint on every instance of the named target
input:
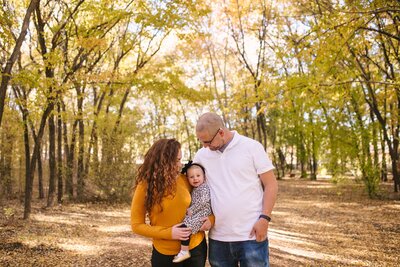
(291, 174)
(313, 159)
(7, 147)
(70, 155)
(384, 169)
(52, 162)
(282, 161)
(59, 157)
(40, 174)
(301, 156)
(28, 173)
(81, 175)
(261, 126)
(375, 140)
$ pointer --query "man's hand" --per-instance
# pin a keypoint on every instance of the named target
(206, 224)
(180, 233)
(260, 230)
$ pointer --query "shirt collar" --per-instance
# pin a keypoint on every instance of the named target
(222, 149)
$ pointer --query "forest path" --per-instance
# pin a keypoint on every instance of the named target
(315, 223)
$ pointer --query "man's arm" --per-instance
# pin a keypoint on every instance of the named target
(270, 191)
(260, 228)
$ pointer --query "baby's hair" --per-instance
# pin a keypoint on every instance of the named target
(190, 164)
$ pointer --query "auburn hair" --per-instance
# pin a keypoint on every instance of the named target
(159, 171)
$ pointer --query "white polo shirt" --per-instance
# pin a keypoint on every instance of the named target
(236, 189)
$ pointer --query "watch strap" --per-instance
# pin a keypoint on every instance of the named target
(266, 217)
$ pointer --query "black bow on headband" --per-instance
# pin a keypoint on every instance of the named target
(186, 167)
(190, 164)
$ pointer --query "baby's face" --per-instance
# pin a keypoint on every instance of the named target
(195, 176)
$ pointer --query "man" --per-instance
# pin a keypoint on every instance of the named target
(243, 192)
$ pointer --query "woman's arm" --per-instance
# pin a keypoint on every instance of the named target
(138, 217)
(139, 225)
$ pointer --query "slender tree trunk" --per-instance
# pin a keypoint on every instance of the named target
(301, 156)
(282, 161)
(69, 151)
(261, 126)
(93, 141)
(7, 148)
(59, 157)
(313, 159)
(40, 175)
(375, 140)
(246, 120)
(21, 174)
(291, 174)
(52, 162)
(8, 168)
(384, 169)
(28, 173)
(81, 175)
(2, 171)
(70, 155)
(395, 165)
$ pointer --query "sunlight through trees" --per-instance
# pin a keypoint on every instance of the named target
(88, 85)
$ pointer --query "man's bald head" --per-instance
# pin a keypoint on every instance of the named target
(209, 122)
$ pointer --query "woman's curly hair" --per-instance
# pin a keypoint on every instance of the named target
(159, 171)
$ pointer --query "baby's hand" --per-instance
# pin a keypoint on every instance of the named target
(189, 212)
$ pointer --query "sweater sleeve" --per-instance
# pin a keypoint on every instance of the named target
(138, 217)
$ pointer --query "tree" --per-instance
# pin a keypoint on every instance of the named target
(6, 72)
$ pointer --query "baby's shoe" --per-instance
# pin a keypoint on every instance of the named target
(182, 255)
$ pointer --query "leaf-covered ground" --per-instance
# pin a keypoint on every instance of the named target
(314, 224)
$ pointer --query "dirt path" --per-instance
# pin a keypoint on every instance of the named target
(314, 224)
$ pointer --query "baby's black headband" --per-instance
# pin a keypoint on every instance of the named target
(190, 164)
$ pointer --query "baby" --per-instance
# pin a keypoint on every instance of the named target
(199, 208)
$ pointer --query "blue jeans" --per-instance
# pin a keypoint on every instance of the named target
(229, 254)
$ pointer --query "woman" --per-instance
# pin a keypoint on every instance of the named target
(164, 196)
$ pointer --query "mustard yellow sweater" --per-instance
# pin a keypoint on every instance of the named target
(160, 226)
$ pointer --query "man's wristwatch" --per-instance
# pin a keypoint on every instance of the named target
(266, 217)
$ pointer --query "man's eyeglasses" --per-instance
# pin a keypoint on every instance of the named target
(212, 139)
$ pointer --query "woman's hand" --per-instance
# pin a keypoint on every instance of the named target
(180, 233)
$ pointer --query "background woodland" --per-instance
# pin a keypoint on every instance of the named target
(88, 85)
